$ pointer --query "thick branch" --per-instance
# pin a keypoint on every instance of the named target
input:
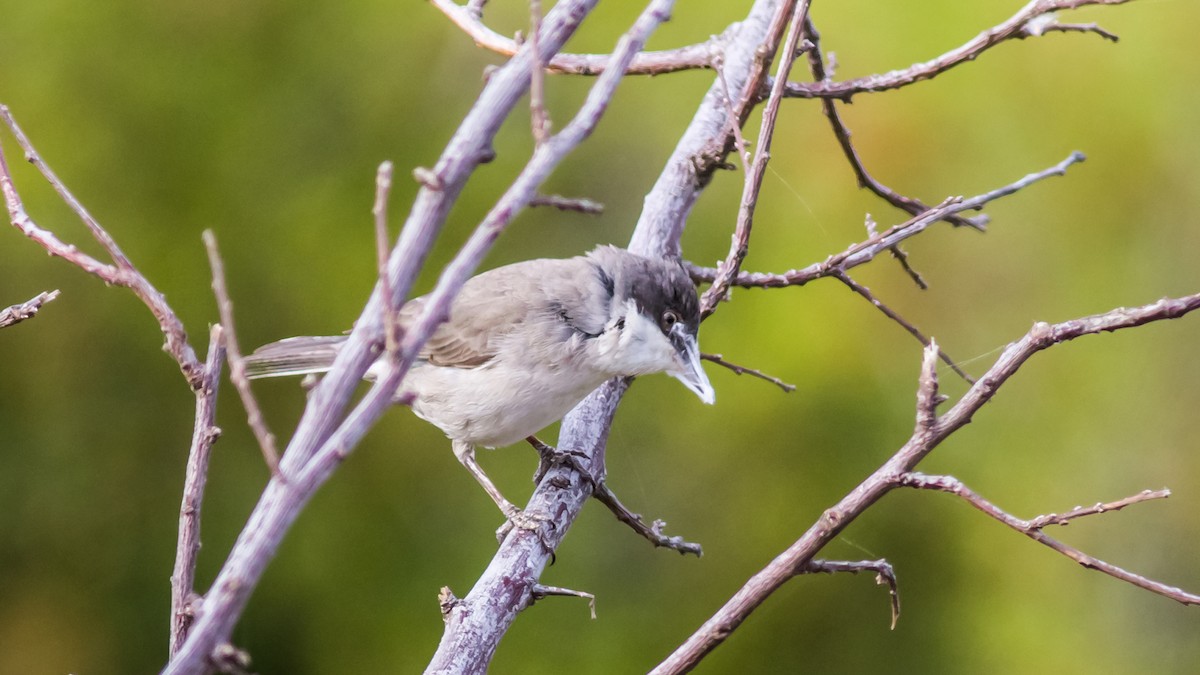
(475, 626)
(281, 502)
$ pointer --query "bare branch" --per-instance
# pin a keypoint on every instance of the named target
(914, 207)
(652, 532)
(1097, 508)
(895, 316)
(25, 310)
(1033, 530)
(237, 365)
(752, 185)
(884, 575)
(204, 434)
(690, 57)
(930, 432)
(866, 251)
(391, 322)
(324, 436)
(569, 204)
(541, 591)
(538, 117)
(1016, 27)
(742, 370)
(121, 273)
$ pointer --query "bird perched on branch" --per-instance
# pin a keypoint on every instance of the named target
(526, 342)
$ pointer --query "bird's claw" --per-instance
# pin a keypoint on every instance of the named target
(550, 457)
(522, 520)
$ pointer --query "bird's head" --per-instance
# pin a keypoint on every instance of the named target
(653, 318)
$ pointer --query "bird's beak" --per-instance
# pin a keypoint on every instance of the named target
(687, 362)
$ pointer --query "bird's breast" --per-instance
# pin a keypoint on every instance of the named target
(501, 402)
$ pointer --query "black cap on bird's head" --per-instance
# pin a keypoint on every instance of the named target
(665, 295)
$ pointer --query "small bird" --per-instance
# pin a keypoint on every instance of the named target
(528, 341)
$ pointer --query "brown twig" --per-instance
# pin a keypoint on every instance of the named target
(204, 434)
(865, 251)
(931, 429)
(652, 532)
(892, 314)
(752, 185)
(25, 310)
(1033, 529)
(742, 370)
(885, 575)
(237, 365)
(690, 57)
(914, 207)
(121, 273)
(579, 204)
(1016, 27)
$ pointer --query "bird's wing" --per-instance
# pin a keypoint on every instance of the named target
(492, 306)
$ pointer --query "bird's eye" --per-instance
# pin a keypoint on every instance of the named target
(670, 318)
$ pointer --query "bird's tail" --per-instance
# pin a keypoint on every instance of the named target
(294, 356)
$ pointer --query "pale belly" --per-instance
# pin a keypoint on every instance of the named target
(492, 406)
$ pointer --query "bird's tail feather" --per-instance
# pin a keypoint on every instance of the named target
(294, 356)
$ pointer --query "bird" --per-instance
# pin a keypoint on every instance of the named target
(525, 343)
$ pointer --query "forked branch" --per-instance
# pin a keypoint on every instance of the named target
(930, 430)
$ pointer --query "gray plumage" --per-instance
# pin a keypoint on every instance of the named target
(526, 342)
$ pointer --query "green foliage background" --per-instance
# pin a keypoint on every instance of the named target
(265, 121)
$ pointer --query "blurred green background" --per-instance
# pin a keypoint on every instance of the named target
(265, 121)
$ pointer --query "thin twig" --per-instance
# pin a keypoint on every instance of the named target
(914, 207)
(865, 251)
(892, 314)
(689, 57)
(1033, 530)
(25, 310)
(541, 591)
(885, 575)
(121, 273)
(237, 365)
(204, 434)
(325, 435)
(752, 185)
(391, 322)
(538, 117)
(1097, 508)
(579, 204)
(652, 532)
(1016, 27)
(743, 370)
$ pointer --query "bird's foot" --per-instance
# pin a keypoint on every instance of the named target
(550, 457)
(522, 520)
